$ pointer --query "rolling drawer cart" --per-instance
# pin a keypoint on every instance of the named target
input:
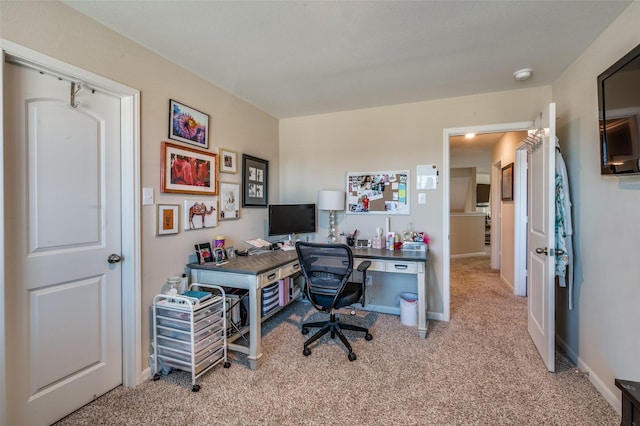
(189, 333)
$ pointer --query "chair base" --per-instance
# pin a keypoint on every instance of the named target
(334, 326)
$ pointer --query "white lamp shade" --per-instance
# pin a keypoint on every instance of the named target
(331, 200)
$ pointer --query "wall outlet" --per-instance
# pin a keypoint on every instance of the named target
(369, 281)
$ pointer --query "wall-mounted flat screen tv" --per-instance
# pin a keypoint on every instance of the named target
(290, 219)
(619, 113)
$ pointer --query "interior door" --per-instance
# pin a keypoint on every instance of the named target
(541, 237)
(63, 237)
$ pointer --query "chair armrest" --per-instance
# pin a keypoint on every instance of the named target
(363, 266)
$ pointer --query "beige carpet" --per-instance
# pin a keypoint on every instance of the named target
(479, 368)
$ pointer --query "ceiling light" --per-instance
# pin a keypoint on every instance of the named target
(469, 135)
(523, 74)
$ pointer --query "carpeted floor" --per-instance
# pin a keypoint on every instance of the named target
(479, 368)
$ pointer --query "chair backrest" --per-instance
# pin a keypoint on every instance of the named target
(327, 268)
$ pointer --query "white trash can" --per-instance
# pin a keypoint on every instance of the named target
(409, 309)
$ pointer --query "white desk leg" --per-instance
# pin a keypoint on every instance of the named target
(422, 301)
(255, 328)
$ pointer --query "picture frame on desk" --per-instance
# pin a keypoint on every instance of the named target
(255, 181)
(204, 253)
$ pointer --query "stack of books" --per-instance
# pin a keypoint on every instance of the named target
(196, 296)
(270, 298)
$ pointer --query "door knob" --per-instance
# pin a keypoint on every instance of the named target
(114, 258)
(541, 250)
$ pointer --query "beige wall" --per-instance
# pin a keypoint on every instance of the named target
(467, 234)
(602, 331)
(316, 152)
(58, 31)
(504, 152)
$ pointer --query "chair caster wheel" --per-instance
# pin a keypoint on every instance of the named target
(305, 330)
(352, 356)
(306, 352)
(368, 336)
(227, 364)
(195, 388)
(156, 376)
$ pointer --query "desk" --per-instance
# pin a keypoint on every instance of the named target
(252, 273)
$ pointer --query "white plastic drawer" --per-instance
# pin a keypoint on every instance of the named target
(186, 365)
(185, 315)
(402, 267)
(185, 335)
(186, 355)
(198, 345)
(186, 325)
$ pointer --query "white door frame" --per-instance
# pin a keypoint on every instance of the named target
(130, 188)
(520, 187)
(496, 215)
(446, 250)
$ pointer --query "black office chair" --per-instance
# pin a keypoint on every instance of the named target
(327, 269)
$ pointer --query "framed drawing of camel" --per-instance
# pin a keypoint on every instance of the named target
(200, 214)
(188, 170)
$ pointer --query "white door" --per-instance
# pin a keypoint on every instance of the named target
(62, 222)
(541, 238)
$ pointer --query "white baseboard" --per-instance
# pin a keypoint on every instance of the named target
(480, 253)
(612, 399)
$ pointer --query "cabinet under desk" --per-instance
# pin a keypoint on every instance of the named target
(252, 273)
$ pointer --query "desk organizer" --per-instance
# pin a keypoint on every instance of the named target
(414, 246)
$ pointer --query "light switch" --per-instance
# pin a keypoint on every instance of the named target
(147, 196)
(422, 198)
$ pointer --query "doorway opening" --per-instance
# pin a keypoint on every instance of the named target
(496, 209)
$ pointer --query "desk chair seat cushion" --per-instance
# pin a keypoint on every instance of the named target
(352, 293)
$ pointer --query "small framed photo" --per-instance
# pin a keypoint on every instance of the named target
(255, 181)
(507, 182)
(228, 160)
(203, 250)
(188, 170)
(219, 255)
(188, 125)
(229, 201)
(231, 253)
(167, 219)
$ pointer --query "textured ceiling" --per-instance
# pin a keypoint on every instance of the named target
(295, 58)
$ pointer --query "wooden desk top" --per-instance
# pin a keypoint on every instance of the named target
(268, 260)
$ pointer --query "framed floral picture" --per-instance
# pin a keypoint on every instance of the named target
(167, 219)
(255, 181)
(188, 125)
(229, 194)
(228, 160)
(188, 171)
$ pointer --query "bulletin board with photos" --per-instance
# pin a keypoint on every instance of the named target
(381, 192)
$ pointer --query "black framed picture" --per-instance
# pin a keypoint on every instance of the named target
(507, 182)
(255, 181)
(204, 252)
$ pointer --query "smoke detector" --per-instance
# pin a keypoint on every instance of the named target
(523, 74)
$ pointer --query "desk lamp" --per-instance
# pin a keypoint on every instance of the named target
(332, 201)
